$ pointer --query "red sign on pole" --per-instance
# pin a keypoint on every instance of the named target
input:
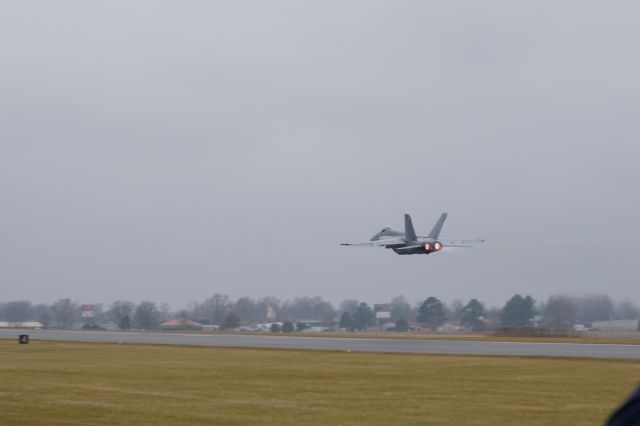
(87, 311)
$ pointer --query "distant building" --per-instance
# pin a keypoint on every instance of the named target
(615, 325)
(111, 326)
(382, 311)
(181, 324)
(264, 327)
(449, 327)
(24, 324)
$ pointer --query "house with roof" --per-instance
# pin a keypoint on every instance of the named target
(181, 324)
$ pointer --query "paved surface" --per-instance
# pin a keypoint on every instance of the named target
(341, 344)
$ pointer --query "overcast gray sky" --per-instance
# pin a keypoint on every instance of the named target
(170, 150)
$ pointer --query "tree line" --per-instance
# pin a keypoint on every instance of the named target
(558, 312)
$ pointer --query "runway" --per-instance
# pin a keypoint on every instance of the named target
(455, 347)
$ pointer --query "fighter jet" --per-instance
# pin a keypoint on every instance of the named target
(408, 242)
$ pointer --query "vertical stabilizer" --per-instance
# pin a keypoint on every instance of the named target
(409, 232)
(435, 232)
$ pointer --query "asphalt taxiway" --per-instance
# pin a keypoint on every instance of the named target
(456, 347)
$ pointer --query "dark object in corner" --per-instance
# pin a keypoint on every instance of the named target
(23, 339)
(628, 414)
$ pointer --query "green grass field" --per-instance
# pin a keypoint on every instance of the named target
(56, 383)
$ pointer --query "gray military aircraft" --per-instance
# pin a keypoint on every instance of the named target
(408, 242)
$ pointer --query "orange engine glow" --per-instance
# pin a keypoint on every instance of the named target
(427, 247)
(438, 246)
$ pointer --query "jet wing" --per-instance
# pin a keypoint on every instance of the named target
(384, 242)
(461, 243)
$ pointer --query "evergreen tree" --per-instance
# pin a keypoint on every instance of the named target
(432, 313)
(275, 327)
(345, 320)
(518, 312)
(363, 318)
(472, 315)
(402, 325)
(125, 323)
(287, 327)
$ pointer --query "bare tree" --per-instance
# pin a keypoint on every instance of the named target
(268, 307)
(455, 310)
(194, 312)
(65, 312)
(559, 313)
(492, 318)
(165, 312)
(213, 309)
(598, 307)
(626, 310)
(400, 308)
(43, 313)
(302, 308)
(147, 316)
(246, 309)
(119, 310)
(221, 304)
(231, 321)
(18, 311)
(350, 306)
(100, 314)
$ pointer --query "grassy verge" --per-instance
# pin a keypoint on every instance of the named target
(59, 383)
